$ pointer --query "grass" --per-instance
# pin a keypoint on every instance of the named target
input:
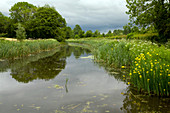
(14, 49)
(148, 64)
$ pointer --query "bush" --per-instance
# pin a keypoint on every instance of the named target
(130, 35)
(20, 32)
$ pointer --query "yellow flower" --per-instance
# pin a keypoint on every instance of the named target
(169, 75)
(164, 89)
(123, 75)
(167, 65)
(139, 67)
(151, 69)
(157, 54)
(128, 83)
(136, 64)
(148, 80)
(169, 83)
(147, 71)
(123, 66)
(167, 69)
(130, 74)
(160, 74)
(140, 76)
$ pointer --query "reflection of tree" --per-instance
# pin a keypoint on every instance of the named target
(45, 68)
(134, 103)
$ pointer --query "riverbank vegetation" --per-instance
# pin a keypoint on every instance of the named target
(148, 64)
(15, 49)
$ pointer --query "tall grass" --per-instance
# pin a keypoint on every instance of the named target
(148, 64)
(13, 49)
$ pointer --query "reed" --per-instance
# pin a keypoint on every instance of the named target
(14, 49)
(148, 64)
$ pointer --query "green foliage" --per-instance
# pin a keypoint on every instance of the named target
(155, 12)
(3, 23)
(126, 29)
(149, 63)
(46, 23)
(76, 36)
(78, 31)
(22, 11)
(12, 49)
(96, 33)
(89, 33)
(20, 32)
(130, 35)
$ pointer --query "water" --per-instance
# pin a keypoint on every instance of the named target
(68, 81)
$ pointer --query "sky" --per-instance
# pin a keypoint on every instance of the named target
(102, 15)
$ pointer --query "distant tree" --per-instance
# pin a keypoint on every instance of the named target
(46, 23)
(135, 29)
(21, 12)
(103, 35)
(96, 33)
(68, 33)
(117, 32)
(81, 34)
(20, 32)
(109, 34)
(77, 29)
(126, 29)
(151, 12)
(3, 23)
(89, 33)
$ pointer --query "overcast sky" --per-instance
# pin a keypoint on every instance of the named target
(103, 15)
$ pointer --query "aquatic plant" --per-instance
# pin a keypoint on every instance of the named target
(13, 49)
(148, 64)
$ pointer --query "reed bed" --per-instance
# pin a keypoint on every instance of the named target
(148, 64)
(14, 49)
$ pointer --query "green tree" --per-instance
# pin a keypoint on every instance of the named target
(151, 12)
(20, 32)
(109, 34)
(21, 12)
(89, 33)
(77, 29)
(3, 23)
(46, 23)
(96, 33)
(126, 29)
(68, 33)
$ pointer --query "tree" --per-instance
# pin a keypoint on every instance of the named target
(89, 33)
(46, 23)
(77, 29)
(151, 12)
(20, 32)
(21, 12)
(68, 33)
(3, 23)
(127, 29)
(96, 33)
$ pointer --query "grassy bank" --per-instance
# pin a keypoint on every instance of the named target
(147, 63)
(14, 49)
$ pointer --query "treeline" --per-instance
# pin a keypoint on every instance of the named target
(36, 22)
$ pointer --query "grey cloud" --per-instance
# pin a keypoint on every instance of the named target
(89, 14)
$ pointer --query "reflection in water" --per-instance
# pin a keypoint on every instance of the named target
(81, 86)
(135, 102)
(44, 68)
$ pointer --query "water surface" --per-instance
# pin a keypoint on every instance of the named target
(68, 81)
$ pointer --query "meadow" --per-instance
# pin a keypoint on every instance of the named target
(16, 49)
(147, 63)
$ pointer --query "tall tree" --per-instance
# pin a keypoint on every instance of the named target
(151, 12)
(21, 12)
(3, 23)
(46, 23)
(77, 29)
(89, 33)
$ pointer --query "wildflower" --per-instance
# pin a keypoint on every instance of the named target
(169, 75)
(167, 69)
(123, 66)
(123, 75)
(148, 80)
(139, 66)
(136, 64)
(128, 83)
(151, 69)
(168, 83)
(164, 89)
(157, 54)
(167, 65)
(160, 74)
(147, 71)
(140, 76)
(130, 74)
